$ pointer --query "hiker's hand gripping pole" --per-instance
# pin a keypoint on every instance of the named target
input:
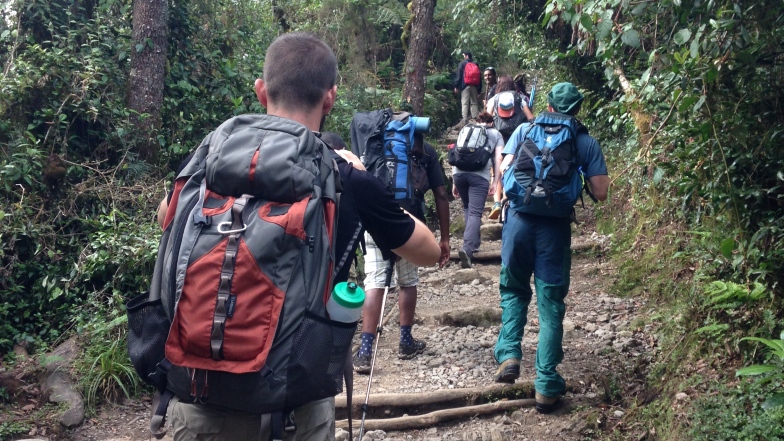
(379, 329)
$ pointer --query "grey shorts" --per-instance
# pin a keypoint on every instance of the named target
(376, 267)
(197, 422)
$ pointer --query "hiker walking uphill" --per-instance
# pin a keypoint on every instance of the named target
(476, 154)
(537, 234)
(508, 109)
(469, 85)
(247, 259)
(406, 271)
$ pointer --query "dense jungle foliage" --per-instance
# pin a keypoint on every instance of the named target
(686, 97)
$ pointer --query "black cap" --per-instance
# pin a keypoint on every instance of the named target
(467, 53)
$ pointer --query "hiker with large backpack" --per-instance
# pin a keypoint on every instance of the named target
(544, 171)
(235, 326)
(392, 147)
(469, 85)
(475, 159)
(508, 108)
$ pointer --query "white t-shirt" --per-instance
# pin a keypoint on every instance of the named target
(495, 139)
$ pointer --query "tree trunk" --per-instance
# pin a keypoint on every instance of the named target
(422, 39)
(148, 69)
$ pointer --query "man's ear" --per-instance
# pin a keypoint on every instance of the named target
(261, 91)
(329, 100)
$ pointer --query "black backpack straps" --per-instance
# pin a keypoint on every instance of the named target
(160, 404)
(277, 425)
(587, 190)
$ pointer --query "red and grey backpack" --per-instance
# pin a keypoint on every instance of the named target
(236, 313)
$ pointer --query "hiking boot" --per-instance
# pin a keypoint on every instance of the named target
(495, 212)
(545, 404)
(465, 259)
(508, 371)
(407, 352)
(362, 363)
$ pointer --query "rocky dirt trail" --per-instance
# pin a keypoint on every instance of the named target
(606, 354)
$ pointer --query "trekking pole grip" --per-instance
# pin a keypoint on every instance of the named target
(390, 270)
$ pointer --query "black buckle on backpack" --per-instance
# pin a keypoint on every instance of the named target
(201, 220)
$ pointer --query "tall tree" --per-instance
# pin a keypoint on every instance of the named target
(148, 69)
(421, 44)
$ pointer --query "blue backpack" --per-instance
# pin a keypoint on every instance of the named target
(384, 141)
(545, 178)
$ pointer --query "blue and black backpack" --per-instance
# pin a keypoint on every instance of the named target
(386, 144)
(546, 178)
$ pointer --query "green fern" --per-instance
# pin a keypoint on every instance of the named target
(391, 13)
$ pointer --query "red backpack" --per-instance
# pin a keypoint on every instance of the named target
(471, 74)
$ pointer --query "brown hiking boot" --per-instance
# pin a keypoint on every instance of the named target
(508, 372)
(545, 404)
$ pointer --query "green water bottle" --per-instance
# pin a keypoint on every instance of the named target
(345, 303)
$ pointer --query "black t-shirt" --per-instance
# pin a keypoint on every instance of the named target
(365, 204)
(435, 178)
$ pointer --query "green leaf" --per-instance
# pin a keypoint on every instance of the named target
(121, 55)
(699, 104)
(775, 401)
(682, 36)
(710, 75)
(603, 29)
(755, 369)
(776, 345)
(694, 48)
(631, 38)
(714, 328)
(639, 8)
(5, 34)
(727, 247)
(687, 103)
(587, 22)
(139, 47)
(658, 174)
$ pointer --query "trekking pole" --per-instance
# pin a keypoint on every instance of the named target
(533, 95)
(387, 282)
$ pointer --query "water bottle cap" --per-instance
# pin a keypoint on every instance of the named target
(348, 295)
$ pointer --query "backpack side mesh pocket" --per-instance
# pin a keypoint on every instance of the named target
(148, 327)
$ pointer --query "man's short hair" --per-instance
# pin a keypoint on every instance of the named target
(333, 140)
(298, 69)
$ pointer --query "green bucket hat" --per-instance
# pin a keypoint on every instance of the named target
(564, 97)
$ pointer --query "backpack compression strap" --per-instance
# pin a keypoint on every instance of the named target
(235, 228)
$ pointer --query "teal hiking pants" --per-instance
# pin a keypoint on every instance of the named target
(538, 246)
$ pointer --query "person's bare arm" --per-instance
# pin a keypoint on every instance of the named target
(421, 248)
(442, 211)
(497, 177)
(527, 112)
(599, 186)
(351, 158)
(506, 162)
(162, 208)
